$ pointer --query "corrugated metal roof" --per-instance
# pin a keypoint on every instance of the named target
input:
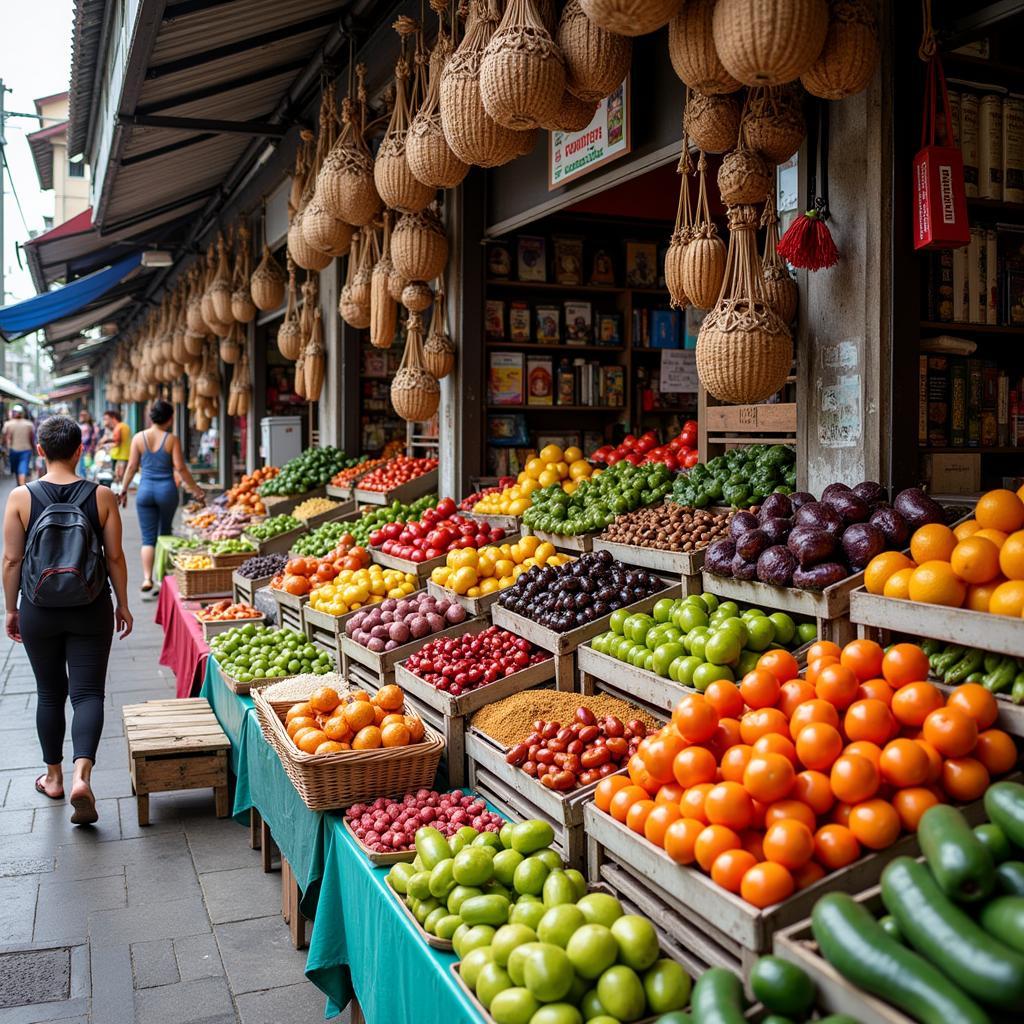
(87, 36)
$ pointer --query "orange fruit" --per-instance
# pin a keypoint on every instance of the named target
(977, 560)
(727, 734)
(816, 665)
(358, 695)
(760, 689)
(996, 750)
(865, 748)
(724, 696)
(968, 528)
(379, 714)
(1020, 492)
(974, 700)
(681, 839)
(389, 697)
(391, 719)
(310, 739)
(835, 846)
(854, 778)
(774, 743)
(793, 694)
(814, 789)
(670, 793)
(911, 803)
(658, 820)
(395, 735)
(768, 777)
(818, 745)
(640, 776)
(1000, 510)
(863, 657)
(904, 763)
(695, 718)
(368, 738)
(331, 747)
(795, 810)
(753, 844)
(875, 824)
(781, 664)
(659, 751)
(636, 816)
(624, 798)
(1011, 556)
(904, 663)
(324, 699)
(881, 568)
(694, 764)
(305, 730)
(715, 839)
(336, 728)
(300, 722)
(808, 875)
(824, 649)
(755, 724)
(359, 714)
(1007, 599)
(875, 689)
(914, 702)
(964, 779)
(837, 684)
(932, 542)
(789, 843)
(692, 803)
(979, 595)
(934, 582)
(729, 804)
(729, 868)
(607, 788)
(813, 711)
(951, 732)
(869, 720)
(766, 884)
(416, 727)
(898, 584)
(303, 709)
(734, 762)
(841, 814)
(998, 537)
(934, 761)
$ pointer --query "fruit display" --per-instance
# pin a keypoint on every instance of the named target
(578, 592)
(390, 826)
(678, 453)
(551, 466)
(698, 639)
(795, 540)
(470, 501)
(375, 518)
(273, 527)
(439, 531)
(978, 565)
(396, 472)
(191, 562)
(226, 611)
(596, 502)
(261, 652)
(352, 589)
(769, 784)
(330, 722)
(314, 507)
(313, 468)
(950, 943)
(261, 566)
(245, 494)
(324, 539)
(668, 527)
(302, 574)
(220, 523)
(472, 573)
(346, 477)
(184, 543)
(782, 988)
(235, 546)
(741, 477)
(459, 664)
(400, 620)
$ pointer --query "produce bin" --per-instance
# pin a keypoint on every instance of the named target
(421, 570)
(473, 605)
(289, 608)
(323, 630)
(577, 544)
(510, 524)
(685, 564)
(279, 505)
(412, 489)
(444, 945)
(199, 583)
(211, 629)
(244, 590)
(344, 508)
(279, 545)
(232, 559)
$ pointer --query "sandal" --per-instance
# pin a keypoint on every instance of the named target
(85, 809)
(40, 788)
(146, 587)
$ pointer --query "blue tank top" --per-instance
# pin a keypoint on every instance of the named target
(156, 465)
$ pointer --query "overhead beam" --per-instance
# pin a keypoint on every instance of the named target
(172, 147)
(972, 24)
(157, 211)
(204, 124)
(186, 7)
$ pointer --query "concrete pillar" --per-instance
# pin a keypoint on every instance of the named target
(332, 396)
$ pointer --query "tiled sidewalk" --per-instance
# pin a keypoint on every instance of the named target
(175, 922)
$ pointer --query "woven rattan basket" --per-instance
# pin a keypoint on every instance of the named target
(439, 349)
(702, 262)
(773, 123)
(691, 48)
(417, 296)
(268, 283)
(849, 57)
(681, 235)
(396, 283)
(289, 334)
(328, 782)
(572, 115)
(348, 310)
(780, 289)
(596, 61)
(713, 122)
(415, 392)
(383, 311)
(744, 177)
(362, 278)
(419, 246)
(630, 17)
(195, 583)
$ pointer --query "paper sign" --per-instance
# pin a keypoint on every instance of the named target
(678, 370)
(574, 154)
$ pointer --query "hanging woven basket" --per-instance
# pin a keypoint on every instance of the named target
(702, 265)
(419, 247)
(473, 135)
(522, 74)
(243, 309)
(396, 284)
(439, 349)
(313, 363)
(362, 280)
(300, 250)
(194, 303)
(347, 309)
(230, 348)
(417, 296)
(713, 122)
(220, 287)
(321, 229)
(596, 61)
(289, 335)
(268, 282)
(780, 289)
(849, 57)
(682, 233)
(383, 311)
(573, 114)
(630, 17)
(415, 392)
(744, 177)
(691, 48)
(744, 350)
(769, 42)
(179, 350)
(773, 122)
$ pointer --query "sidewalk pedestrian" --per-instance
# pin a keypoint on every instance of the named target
(19, 436)
(158, 453)
(119, 442)
(90, 438)
(62, 552)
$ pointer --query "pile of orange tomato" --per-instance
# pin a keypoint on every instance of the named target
(225, 610)
(245, 494)
(304, 574)
(772, 783)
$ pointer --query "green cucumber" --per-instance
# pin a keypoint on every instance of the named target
(890, 927)
(854, 943)
(718, 998)
(782, 987)
(959, 860)
(1003, 917)
(982, 966)
(992, 836)
(1010, 877)
(1004, 804)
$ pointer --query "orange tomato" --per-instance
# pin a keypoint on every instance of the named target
(693, 765)
(753, 843)
(823, 649)
(854, 779)
(780, 663)
(623, 799)
(951, 732)
(806, 876)
(768, 777)
(661, 751)
(734, 762)
(389, 697)
(640, 776)
(692, 803)
(814, 789)
(695, 718)
(996, 750)
(774, 743)
(964, 779)
(727, 734)
(712, 841)
(818, 745)
(760, 688)
(790, 810)
(837, 684)
(670, 793)
(863, 658)
(789, 843)
(865, 748)
(875, 689)
(755, 724)
(875, 824)
(869, 720)
(815, 666)
(911, 803)
(729, 804)
(637, 815)
(912, 703)
(766, 884)
(724, 696)
(934, 760)
(904, 663)
(730, 866)
(681, 839)
(904, 763)
(658, 820)
(835, 846)
(840, 814)
(813, 711)
(607, 788)
(794, 693)
(976, 702)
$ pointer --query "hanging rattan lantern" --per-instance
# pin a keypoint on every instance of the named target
(681, 235)
(573, 114)
(596, 61)
(383, 311)
(713, 122)
(299, 249)
(630, 17)
(417, 296)
(849, 57)
(268, 283)
(415, 392)
(744, 177)
(243, 309)
(439, 349)
(419, 247)
(773, 123)
(691, 48)
(702, 264)
(289, 335)
(321, 229)
(780, 289)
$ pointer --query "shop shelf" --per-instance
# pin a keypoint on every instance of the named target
(603, 673)
(409, 491)
(279, 505)
(537, 346)
(558, 408)
(948, 328)
(325, 631)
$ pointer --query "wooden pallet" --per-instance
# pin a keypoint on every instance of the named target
(175, 744)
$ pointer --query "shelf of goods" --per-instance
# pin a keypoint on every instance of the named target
(447, 714)
(510, 524)
(419, 569)
(201, 583)
(685, 564)
(340, 511)
(474, 605)
(244, 589)
(280, 504)
(577, 544)
(412, 489)
(279, 544)
(563, 645)
(289, 608)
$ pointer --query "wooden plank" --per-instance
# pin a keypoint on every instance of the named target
(419, 569)
(654, 691)
(245, 589)
(280, 544)
(473, 605)
(778, 417)
(510, 524)
(830, 603)
(406, 493)
(680, 563)
(576, 544)
(385, 661)
(1011, 716)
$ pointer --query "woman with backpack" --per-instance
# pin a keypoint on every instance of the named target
(62, 544)
(157, 451)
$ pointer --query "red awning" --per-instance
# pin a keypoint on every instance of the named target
(70, 392)
(78, 225)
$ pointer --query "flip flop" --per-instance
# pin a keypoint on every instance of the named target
(146, 587)
(85, 809)
(41, 789)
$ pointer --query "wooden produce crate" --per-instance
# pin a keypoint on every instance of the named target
(232, 560)
(421, 570)
(577, 544)
(518, 796)
(326, 631)
(510, 524)
(563, 645)
(289, 608)
(244, 590)
(473, 605)
(200, 583)
(408, 492)
(686, 564)
(277, 506)
(730, 426)
(448, 714)
(211, 629)
(279, 545)
(654, 693)
(343, 508)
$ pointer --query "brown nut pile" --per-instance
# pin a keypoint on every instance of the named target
(669, 527)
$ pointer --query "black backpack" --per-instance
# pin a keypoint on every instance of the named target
(63, 566)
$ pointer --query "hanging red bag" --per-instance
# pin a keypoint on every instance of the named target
(940, 203)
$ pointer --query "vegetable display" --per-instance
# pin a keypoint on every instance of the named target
(470, 501)
(235, 546)
(953, 664)
(324, 539)
(261, 566)
(439, 531)
(741, 477)
(313, 468)
(314, 507)
(551, 466)
(227, 611)
(245, 494)
(678, 453)
(220, 523)
(260, 652)
(346, 477)
(668, 527)
(192, 562)
(395, 622)
(376, 517)
(273, 527)
(352, 589)
(396, 472)
(474, 573)
(302, 575)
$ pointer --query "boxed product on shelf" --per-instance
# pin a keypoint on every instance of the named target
(569, 261)
(609, 329)
(506, 378)
(579, 328)
(664, 328)
(518, 321)
(548, 324)
(539, 380)
(499, 260)
(531, 258)
(494, 319)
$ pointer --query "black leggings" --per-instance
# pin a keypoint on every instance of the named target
(68, 649)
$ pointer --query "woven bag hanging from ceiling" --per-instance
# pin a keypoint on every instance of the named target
(383, 311)
(243, 309)
(299, 248)
(362, 277)
(415, 392)
(419, 246)
(347, 309)
(849, 57)
(321, 229)
(596, 61)
(691, 48)
(702, 264)
(289, 335)
(773, 123)
(630, 17)
(682, 233)
(439, 349)
(779, 287)
(268, 283)
(713, 122)
(744, 176)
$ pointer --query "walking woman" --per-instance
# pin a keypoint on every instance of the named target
(158, 453)
(89, 440)
(62, 543)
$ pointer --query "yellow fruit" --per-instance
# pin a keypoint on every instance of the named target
(569, 486)
(463, 558)
(980, 594)
(484, 567)
(517, 507)
(580, 469)
(1000, 510)
(573, 454)
(977, 560)
(934, 582)
(503, 567)
(550, 453)
(440, 574)
(563, 469)
(996, 536)
(527, 545)
(932, 542)
(543, 552)
(474, 592)
(527, 487)
(882, 567)
(549, 478)
(462, 579)
(1011, 556)
(534, 468)
(1008, 599)
(489, 586)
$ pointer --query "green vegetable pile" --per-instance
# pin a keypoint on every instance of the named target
(598, 500)
(741, 477)
(951, 945)
(380, 516)
(313, 468)
(273, 527)
(697, 639)
(263, 652)
(998, 673)
(323, 539)
(234, 546)
(185, 543)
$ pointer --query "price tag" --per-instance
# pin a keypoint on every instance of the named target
(678, 371)
(748, 415)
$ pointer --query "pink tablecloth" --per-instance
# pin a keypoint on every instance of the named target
(184, 651)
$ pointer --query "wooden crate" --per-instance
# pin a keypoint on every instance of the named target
(654, 693)
(473, 605)
(232, 559)
(1011, 716)
(510, 524)
(730, 426)
(342, 509)
(289, 609)
(577, 544)
(279, 545)
(323, 630)
(277, 506)
(686, 564)
(244, 590)
(408, 492)
(175, 744)
(421, 570)
(211, 629)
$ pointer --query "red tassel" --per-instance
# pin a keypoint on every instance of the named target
(808, 243)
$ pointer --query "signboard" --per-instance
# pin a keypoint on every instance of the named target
(572, 155)
(679, 370)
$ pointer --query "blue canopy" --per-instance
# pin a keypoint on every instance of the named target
(24, 317)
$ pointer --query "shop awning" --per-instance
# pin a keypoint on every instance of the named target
(24, 317)
(11, 390)
(70, 392)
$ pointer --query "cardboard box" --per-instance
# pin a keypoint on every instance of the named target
(954, 474)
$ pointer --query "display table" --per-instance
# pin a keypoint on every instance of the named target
(184, 651)
(162, 558)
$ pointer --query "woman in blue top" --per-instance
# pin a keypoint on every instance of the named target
(157, 451)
